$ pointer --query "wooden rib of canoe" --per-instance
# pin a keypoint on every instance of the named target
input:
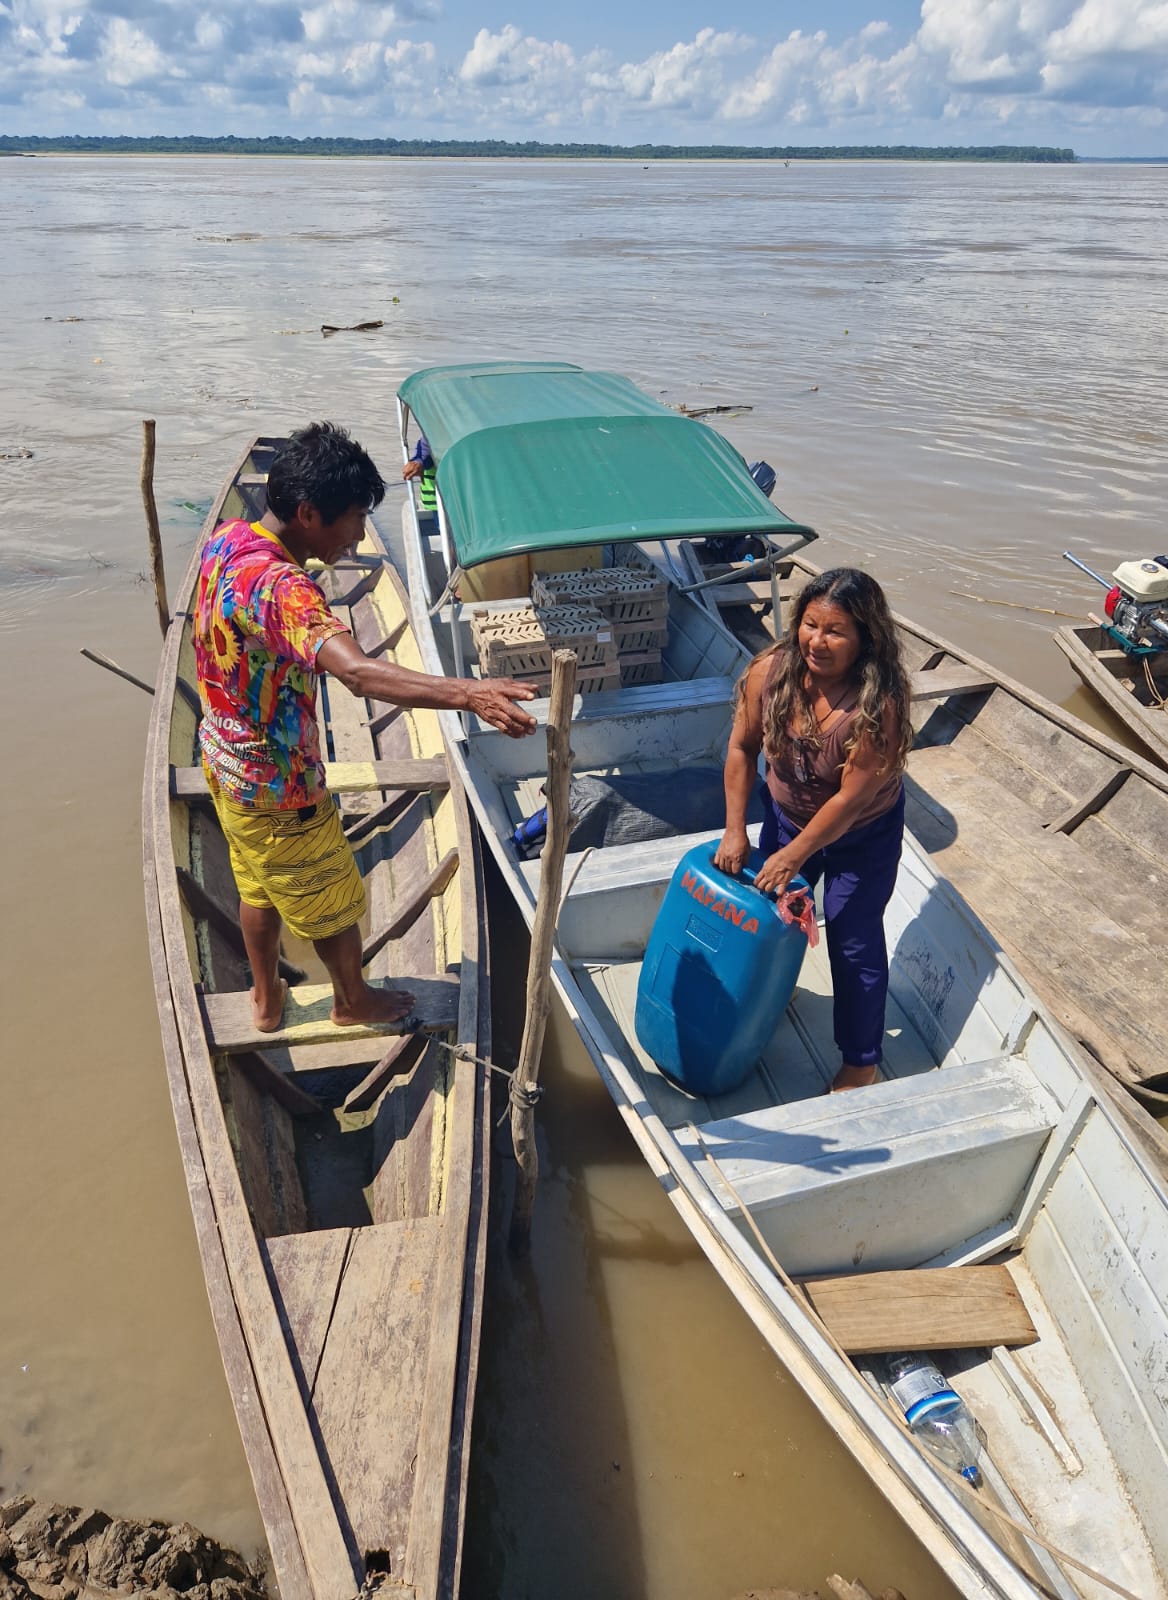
(337, 1176)
(1052, 832)
(1135, 688)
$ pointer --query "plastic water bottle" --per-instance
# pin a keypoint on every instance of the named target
(936, 1415)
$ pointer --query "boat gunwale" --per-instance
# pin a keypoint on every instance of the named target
(235, 1353)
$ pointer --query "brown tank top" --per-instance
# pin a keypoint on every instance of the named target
(811, 774)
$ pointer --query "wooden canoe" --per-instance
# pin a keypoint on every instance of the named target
(337, 1177)
(1052, 831)
(1134, 688)
(993, 1147)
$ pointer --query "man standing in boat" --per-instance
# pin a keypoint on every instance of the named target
(263, 632)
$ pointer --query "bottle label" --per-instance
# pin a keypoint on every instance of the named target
(943, 1401)
(920, 1384)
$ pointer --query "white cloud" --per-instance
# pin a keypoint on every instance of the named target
(510, 57)
(687, 77)
(340, 21)
(780, 82)
(130, 56)
(992, 44)
(1008, 68)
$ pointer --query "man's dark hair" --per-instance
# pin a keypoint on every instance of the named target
(320, 464)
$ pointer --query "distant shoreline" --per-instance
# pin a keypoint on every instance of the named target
(101, 144)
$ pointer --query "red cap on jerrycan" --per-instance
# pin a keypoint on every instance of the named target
(719, 971)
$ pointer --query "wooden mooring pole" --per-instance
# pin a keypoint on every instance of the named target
(152, 527)
(525, 1081)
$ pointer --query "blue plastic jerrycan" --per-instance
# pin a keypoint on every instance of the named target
(720, 968)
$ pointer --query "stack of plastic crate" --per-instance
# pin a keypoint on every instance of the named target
(518, 643)
(633, 601)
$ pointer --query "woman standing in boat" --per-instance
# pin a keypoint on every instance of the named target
(829, 706)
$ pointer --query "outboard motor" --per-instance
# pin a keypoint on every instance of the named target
(764, 475)
(1136, 603)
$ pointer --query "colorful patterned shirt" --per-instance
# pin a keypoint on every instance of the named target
(259, 621)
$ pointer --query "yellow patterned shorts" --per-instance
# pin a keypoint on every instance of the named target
(301, 865)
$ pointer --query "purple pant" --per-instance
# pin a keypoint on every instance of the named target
(858, 873)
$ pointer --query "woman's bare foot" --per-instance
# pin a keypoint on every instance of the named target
(853, 1078)
(267, 1018)
(373, 1006)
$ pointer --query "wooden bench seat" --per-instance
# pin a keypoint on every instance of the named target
(952, 677)
(885, 1177)
(341, 777)
(753, 591)
(230, 1029)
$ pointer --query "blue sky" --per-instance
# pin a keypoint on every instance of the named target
(1091, 74)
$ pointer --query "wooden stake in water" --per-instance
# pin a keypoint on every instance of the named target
(152, 527)
(539, 964)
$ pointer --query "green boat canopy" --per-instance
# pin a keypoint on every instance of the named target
(538, 456)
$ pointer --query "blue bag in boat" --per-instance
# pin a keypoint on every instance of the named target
(719, 971)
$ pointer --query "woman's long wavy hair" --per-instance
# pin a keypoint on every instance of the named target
(787, 714)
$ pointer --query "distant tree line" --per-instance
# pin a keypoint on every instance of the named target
(193, 144)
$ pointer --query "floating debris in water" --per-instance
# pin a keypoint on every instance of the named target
(329, 328)
(18, 452)
(712, 411)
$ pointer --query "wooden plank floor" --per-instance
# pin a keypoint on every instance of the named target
(359, 1303)
(1084, 931)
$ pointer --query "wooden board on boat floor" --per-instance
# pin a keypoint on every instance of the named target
(230, 1027)
(359, 1304)
(938, 1308)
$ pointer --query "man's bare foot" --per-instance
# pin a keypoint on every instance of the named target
(375, 1005)
(853, 1078)
(269, 1018)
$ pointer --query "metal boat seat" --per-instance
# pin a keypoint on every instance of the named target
(884, 1177)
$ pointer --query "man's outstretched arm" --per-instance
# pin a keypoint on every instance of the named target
(494, 700)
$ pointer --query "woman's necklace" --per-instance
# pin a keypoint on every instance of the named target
(832, 705)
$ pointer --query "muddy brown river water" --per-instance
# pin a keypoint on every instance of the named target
(957, 372)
